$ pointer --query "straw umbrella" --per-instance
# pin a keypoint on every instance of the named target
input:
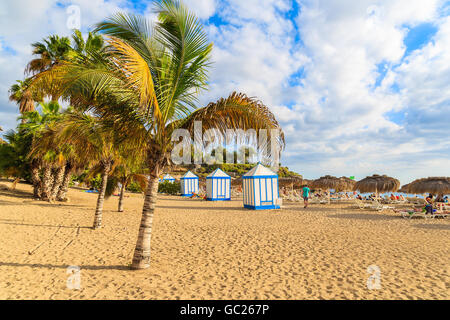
(434, 185)
(347, 184)
(404, 188)
(327, 183)
(290, 182)
(376, 184)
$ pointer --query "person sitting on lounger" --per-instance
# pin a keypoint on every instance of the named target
(429, 206)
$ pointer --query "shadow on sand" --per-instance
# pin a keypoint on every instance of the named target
(16, 194)
(53, 266)
(363, 216)
(434, 226)
(20, 223)
(206, 208)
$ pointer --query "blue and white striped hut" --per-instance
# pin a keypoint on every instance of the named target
(189, 184)
(260, 189)
(169, 178)
(218, 186)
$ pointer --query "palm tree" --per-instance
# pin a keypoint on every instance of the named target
(94, 143)
(23, 96)
(49, 52)
(93, 43)
(127, 173)
(33, 125)
(147, 86)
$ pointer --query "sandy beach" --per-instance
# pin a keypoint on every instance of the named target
(217, 250)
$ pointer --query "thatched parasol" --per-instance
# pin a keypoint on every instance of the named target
(435, 185)
(377, 184)
(404, 189)
(327, 183)
(290, 182)
(347, 184)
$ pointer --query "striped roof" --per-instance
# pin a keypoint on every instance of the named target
(260, 170)
(189, 174)
(218, 174)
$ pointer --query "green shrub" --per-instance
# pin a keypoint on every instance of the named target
(134, 187)
(169, 187)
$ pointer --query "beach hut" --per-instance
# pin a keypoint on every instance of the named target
(189, 184)
(260, 188)
(168, 177)
(218, 186)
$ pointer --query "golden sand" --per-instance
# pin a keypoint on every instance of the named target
(205, 250)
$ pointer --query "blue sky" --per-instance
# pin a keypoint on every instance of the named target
(359, 87)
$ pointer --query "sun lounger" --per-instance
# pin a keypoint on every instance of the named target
(409, 214)
(361, 204)
(442, 214)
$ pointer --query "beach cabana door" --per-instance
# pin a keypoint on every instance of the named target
(221, 188)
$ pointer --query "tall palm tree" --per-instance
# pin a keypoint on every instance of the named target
(127, 173)
(23, 96)
(49, 52)
(93, 43)
(147, 86)
(34, 125)
(94, 143)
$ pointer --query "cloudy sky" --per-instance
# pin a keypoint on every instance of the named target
(360, 87)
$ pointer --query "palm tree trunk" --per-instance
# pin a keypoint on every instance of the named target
(57, 181)
(47, 182)
(36, 179)
(141, 258)
(101, 197)
(62, 192)
(122, 192)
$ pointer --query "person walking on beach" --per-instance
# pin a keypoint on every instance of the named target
(305, 195)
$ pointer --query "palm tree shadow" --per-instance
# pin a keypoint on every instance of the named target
(20, 223)
(53, 266)
(8, 203)
(202, 208)
(54, 204)
(19, 194)
(16, 194)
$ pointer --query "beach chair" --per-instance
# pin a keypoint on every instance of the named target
(377, 206)
(441, 214)
(409, 214)
(359, 204)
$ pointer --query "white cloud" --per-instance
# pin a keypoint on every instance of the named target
(202, 8)
(23, 22)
